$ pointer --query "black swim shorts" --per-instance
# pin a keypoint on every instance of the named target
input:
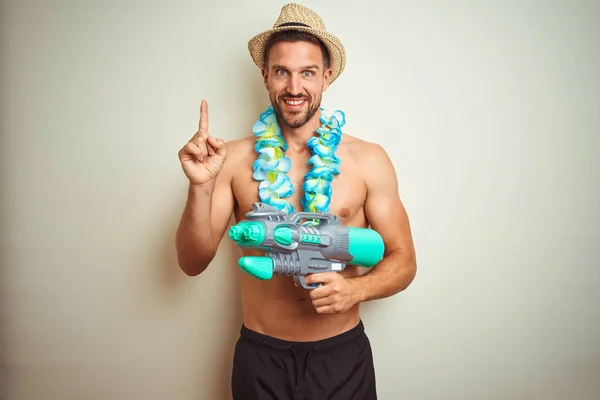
(338, 368)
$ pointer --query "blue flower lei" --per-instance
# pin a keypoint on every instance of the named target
(272, 165)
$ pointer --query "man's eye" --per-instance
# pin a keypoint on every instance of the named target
(280, 72)
(308, 73)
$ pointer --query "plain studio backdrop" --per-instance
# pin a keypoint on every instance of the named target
(490, 111)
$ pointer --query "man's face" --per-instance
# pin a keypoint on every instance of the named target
(295, 78)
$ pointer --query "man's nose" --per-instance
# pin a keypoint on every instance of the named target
(294, 85)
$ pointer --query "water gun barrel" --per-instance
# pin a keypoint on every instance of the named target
(365, 246)
(358, 246)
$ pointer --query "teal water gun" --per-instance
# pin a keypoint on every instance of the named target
(296, 249)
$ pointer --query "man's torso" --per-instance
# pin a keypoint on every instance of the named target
(277, 307)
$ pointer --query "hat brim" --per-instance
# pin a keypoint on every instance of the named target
(337, 53)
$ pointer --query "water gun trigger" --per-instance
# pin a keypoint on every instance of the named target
(300, 281)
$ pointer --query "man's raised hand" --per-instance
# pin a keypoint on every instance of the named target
(203, 156)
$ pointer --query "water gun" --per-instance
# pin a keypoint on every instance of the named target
(297, 249)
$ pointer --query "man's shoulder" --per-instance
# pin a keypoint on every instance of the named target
(239, 149)
(373, 162)
(364, 148)
(241, 144)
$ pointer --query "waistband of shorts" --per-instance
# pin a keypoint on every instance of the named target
(322, 344)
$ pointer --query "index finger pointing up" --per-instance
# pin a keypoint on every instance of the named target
(203, 127)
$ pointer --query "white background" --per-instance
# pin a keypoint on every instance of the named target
(489, 110)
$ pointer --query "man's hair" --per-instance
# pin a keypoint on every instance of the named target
(295, 36)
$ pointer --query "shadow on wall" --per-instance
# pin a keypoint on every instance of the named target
(208, 313)
(228, 256)
(3, 327)
(212, 301)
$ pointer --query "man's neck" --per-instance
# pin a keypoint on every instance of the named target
(297, 138)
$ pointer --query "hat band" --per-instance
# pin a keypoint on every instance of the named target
(292, 24)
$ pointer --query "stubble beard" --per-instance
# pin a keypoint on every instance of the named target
(297, 119)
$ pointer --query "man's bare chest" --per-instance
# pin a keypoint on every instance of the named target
(346, 201)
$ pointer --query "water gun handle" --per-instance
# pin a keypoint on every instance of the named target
(296, 217)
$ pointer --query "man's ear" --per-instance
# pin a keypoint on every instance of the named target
(265, 75)
(327, 78)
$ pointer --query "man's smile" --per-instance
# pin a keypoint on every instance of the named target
(294, 103)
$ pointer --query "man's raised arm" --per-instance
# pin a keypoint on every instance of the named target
(210, 199)
(386, 215)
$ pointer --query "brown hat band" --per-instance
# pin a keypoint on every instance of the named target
(292, 24)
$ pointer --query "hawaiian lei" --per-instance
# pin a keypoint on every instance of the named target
(272, 165)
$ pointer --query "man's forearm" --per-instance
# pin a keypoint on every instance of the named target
(391, 275)
(194, 239)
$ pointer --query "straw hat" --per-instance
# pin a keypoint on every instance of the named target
(297, 17)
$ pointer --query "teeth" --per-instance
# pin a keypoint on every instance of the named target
(294, 102)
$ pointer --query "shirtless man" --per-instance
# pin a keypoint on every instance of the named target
(296, 342)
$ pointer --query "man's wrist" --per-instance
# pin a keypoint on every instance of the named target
(360, 289)
(203, 189)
